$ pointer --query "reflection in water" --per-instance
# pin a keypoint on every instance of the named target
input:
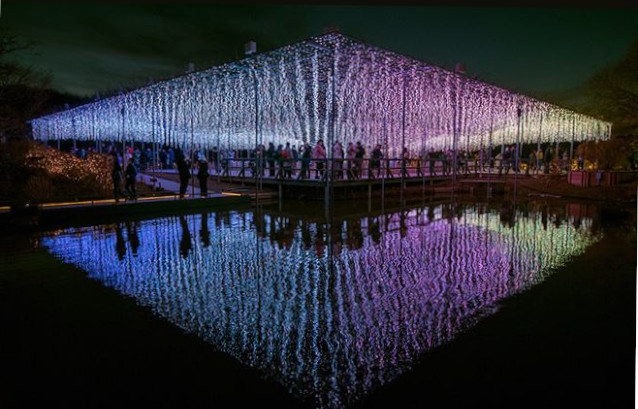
(120, 245)
(204, 233)
(185, 245)
(329, 310)
(134, 241)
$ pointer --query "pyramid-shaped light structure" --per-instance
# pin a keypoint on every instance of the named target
(330, 87)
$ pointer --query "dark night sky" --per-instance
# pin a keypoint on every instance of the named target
(90, 47)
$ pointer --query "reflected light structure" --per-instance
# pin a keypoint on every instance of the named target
(329, 87)
(330, 310)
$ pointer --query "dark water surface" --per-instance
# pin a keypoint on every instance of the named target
(333, 309)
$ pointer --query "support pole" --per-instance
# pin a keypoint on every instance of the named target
(489, 148)
(455, 116)
(328, 168)
(519, 113)
(123, 138)
(192, 157)
(423, 165)
(384, 161)
(571, 145)
(369, 196)
(403, 163)
(258, 159)
(538, 143)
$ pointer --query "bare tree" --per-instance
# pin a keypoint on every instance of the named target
(614, 92)
(23, 90)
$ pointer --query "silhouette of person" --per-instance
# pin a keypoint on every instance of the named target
(184, 174)
(133, 238)
(319, 242)
(354, 234)
(116, 175)
(374, 229)
(185, 245)
(403, 228)
(131, 174)
(306, 236)
(120, 244)
(204, 233)
(202, 175)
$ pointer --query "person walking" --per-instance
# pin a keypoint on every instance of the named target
(431, 159)
(405, 159)
(202, 175)
(375, 162)
(319, 155)
(286, 161)
(547, 158)
(116, 176)
(184, 174)
(350, 154)
(163, 158)
(306, 155)
(531, 163)
(270, 159)
(131, 175)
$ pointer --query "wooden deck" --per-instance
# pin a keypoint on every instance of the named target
(336, 183)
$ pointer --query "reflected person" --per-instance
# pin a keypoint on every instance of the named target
(120, 244)
(374, 229)
(133, 238)
(185, 245)
(204, 233)
(306, 236)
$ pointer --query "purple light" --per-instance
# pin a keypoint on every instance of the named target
(328, 324)
(374, 91)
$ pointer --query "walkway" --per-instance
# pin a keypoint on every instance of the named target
(170, 185)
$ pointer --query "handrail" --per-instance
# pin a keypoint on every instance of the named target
(354, 169)
(346, 169)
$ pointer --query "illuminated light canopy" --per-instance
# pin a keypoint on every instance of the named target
(329, 87)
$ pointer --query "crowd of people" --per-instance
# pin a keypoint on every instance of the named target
(286, 161)
(126, 168)
(354, 162)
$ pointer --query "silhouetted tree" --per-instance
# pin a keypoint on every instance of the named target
(23, 90)
(614, 94)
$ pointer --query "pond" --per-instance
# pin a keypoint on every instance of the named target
(331, 308)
